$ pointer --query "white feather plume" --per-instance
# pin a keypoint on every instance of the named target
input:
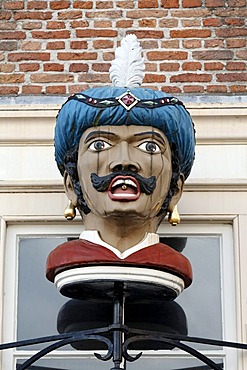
(127, 69)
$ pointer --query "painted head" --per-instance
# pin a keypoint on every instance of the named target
(124, 150)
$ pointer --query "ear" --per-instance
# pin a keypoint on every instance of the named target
(178, 193)
(69, 190)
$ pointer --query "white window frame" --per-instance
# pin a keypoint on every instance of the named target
(16, 231)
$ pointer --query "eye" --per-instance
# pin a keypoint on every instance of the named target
(99, 145)
(150, 147)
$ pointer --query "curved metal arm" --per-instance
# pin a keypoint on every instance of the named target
(64, 342)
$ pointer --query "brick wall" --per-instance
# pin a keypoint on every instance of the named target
(62, 46)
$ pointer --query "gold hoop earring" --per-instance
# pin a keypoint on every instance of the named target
(70, 212)
(174, 217)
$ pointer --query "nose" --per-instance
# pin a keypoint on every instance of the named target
(123, 160)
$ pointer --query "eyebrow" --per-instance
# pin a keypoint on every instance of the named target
(152, 133)
(99, 133)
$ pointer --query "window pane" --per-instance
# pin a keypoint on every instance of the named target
(154, 363)
(201, 302)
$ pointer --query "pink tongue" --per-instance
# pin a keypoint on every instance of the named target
(119, 190)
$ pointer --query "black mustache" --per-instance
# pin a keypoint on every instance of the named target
(101, 183)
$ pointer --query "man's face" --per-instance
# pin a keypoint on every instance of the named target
(140, 150)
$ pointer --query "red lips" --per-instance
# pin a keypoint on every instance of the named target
(124, 189)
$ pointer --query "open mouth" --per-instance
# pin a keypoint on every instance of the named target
(124, 189)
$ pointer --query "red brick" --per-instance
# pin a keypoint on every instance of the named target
(108, 56)
(236, 3)
(57, 5)
(78, 67)
(242, 54)
(102, 24)
(150, 23)
(169, 3)
(215, 3)
(77, 56)
(8, 45)
(191, 3)
(236, 66)
(55, 25)
(5, 15)
(78, 44)
(29, 67)
(103, 44)
(16, 57)
(151, 67)
(169, 66)
(168, 23)
(231, 32)
(13, 5)
(7, 25)
(94, 78)
(213, 55)
(216, 89)
(48, 77)
(190, 33)
(125, 4)
(72, 14)
(7, 68)
(31, 89)
(153, 78)
(124, 24)
(167, 55)
(191, 13)
(55, 67)
(74, 89)
(229, 12)
(191, 66)
(33, 15)
(31, 45)
(171, 89)
(2, 56)
(55, 45)
(231, 77)
(96, 33)
(235, 21)
(148, 34)
(191, 22)
(193, 89)
(138, 14)
(213, 66)
(55, 90)
(212, 22)
(36, 4)
(191, 77)
(101, 67)
(214, 43)
(31, 25)
(169, 44)
(79, 24)
(235, 43)
(238, 88)
(16, 35)
(113, 14)
(51, 34)
(149, 44)
(12, 78)
(104, 4)
(83, 4)
(9, 90)
(148, 4)
(192, 44)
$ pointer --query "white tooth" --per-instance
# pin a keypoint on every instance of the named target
(130, 182)
(118, 182)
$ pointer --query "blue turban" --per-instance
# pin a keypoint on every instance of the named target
(100, 106)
